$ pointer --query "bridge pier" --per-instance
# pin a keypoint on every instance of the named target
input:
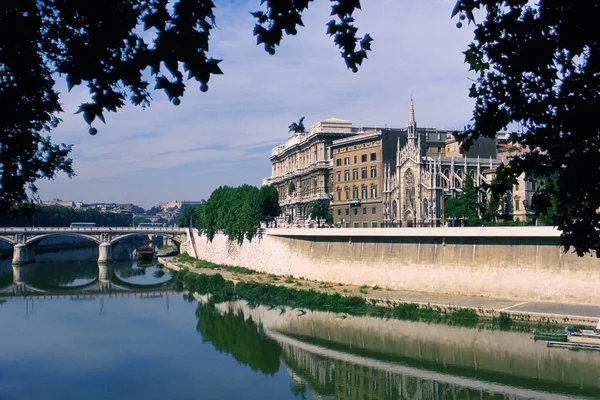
(23, 254)
(105, 253)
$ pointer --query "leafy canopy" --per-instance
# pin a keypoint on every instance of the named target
(538, 66)
(237, 212)
(120, 50)
(466, 206)
(320, 209)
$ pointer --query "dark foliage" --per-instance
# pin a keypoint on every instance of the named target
(244, 339)
(538, 66)
(121, 50)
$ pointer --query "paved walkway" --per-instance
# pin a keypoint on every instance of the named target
(554, 310)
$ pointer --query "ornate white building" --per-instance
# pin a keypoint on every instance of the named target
(301, 167)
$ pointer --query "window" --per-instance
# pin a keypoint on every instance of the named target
(356, 211)
(355, 192)
(363, 158)
(365, 224)
(339, 195)
(364, 211)
(339, 176)
(346, 175)
(346, 211)
(439, 148)
(363, 173)
(355, 174)
(373, 172)
(356, 224)
(364, 192)
(516, 188)
(373, 156)
(346, 160)
(374, 224)
(355, 159)
(374, 210)
(347, 190)
(339, 211)
(338, 162)
(348, 226)
(374, 191)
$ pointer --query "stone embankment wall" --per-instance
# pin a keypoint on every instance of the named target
(509, 262)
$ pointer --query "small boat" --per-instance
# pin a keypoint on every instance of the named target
(550, 336)
(145, 253)
(586, 336)
(574, 346)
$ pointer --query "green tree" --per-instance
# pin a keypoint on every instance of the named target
(538, 69)
(320, 209)
(237, 212)
(189, 213)
(233, 333)
(466, 206)
(108, 45)
(269, 203)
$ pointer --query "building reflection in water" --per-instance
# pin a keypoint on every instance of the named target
(371, 358)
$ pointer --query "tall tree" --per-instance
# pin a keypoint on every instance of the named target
(538, 66)
(466, 206)
(269, 203)
(320, 209)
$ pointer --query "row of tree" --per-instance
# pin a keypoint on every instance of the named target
(58, 216)
(466, 209)
(236, 211)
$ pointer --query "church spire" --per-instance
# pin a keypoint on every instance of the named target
(411, 127)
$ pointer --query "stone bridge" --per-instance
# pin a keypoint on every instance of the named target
(24, 240)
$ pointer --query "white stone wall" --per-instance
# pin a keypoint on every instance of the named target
(516, 263)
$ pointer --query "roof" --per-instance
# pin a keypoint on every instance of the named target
(336, 121)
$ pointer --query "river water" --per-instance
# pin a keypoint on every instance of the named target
(71, 329)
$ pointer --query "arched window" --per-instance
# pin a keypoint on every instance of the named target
(409, 184)
(355, 192)
(394, 209)
(364, 192)
(425, 209)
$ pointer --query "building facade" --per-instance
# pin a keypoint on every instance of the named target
(387, 177)
(301, 167)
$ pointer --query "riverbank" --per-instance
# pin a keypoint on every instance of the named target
(496, 311)
(525, 264)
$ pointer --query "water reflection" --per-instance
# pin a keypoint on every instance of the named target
(77, 278)
(370, 358)
(232, 333)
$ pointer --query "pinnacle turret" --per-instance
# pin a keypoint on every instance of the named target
(411, 127)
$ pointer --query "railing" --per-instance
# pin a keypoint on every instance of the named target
(95, 229)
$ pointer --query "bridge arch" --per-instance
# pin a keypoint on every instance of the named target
(38, 238)
(174, 237)
(8, 240)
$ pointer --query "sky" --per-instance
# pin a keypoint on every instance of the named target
(225, 136)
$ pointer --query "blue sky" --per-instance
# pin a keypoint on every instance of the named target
(225, 136)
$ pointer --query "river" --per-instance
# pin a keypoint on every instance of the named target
(72, 329)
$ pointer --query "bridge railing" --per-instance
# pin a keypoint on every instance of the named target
(95, 229)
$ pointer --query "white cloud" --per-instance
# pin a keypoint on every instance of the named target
(417, 50)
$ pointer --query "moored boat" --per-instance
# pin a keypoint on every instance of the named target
(145, 253)
(584, 336)
(550, 336)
